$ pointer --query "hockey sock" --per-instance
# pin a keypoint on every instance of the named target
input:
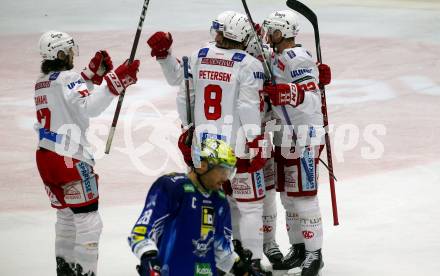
(65, 234)
(251, 226)
(88, 231)
(269, 216)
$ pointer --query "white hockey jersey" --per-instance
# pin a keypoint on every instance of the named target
(64, 104)
(295, 65)
(225, 96)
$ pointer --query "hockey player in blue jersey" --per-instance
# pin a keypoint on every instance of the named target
(185, 226)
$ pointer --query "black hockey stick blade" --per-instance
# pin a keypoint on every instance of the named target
(311, 16)
(304, 10)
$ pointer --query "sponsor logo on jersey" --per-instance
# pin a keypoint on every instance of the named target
(40, 100)
(238, 57)
(75, 83)
(300, 72)
(291, 53)
(42, 84)
(308, 234)
(203, 269)
(207, 221)
(259, 75)
(203, 52)
(214, 75)
(218, 61)
(54, 76)
(188, 188)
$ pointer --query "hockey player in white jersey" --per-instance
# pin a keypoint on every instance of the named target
(226, 100)
(65, 101)
(297, 90)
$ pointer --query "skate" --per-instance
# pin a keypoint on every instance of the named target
(64, 268)
(258, 270)
(273, 254)
(294, 258)
(312, 264)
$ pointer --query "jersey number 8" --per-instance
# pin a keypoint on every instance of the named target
(213, 99)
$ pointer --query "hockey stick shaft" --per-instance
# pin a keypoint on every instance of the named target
(311, 16)
(130, 60)
(189, 119)
(266, 66)
(188, 98)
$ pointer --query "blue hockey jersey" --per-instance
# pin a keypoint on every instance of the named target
(190, 229)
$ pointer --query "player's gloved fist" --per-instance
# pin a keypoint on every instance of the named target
(150, 265)
(243, 265)
(285, 94)
(184, 145)
(98, 67)
(325, 74)
(160, 43)
(124, 76)
(258, 146)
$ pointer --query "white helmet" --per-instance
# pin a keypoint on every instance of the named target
(235, 26)
(284, 21)
(52, 42)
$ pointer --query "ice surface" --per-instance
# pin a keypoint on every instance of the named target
(385, 95)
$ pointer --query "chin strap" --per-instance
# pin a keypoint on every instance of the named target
(199, 177)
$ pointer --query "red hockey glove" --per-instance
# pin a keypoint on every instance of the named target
(98, 67)
(160, 43)
(122, 77)
(325, 74)
(184, 148)
(257, 162)
(285, 93)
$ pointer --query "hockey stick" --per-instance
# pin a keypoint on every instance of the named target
(130, 60)
(189, 119)
(311, 16)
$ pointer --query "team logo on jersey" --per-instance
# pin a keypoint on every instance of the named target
(207, 221)
(203, 245)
